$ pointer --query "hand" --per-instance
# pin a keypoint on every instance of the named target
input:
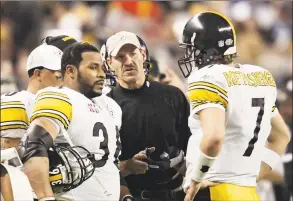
(206, 183)
(264, 170)
(192, 190)
(137, 164)
(195, 187)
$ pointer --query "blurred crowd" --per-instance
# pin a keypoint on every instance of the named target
(264, 30)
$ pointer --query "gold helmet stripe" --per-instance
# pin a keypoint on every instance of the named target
(229, 22)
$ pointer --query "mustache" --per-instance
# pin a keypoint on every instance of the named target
(129, 66)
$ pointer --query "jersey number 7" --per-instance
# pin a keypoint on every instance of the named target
(256, 102)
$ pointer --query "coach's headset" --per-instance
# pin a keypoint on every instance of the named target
(110, 75)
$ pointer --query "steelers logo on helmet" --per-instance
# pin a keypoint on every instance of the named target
(69, 167)
(208, 38)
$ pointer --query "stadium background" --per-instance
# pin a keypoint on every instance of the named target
(264, 31)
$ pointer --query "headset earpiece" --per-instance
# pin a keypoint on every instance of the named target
(147, 59)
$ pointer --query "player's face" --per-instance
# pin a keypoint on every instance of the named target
(91, 75)
(50, 78)
(128, 63)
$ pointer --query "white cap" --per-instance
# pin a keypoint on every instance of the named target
(47, 56)
(116, 41)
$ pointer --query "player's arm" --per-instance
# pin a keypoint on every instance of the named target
(209, 100)
(213, 126)
(40, 137)
(51, 112)
(276, 145)
(14, 122)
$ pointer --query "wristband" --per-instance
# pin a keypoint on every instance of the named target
(202, 166)
(48, 199)
(271, 158)
(128, 198)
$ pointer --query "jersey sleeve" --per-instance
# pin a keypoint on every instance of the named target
(14, 119)
(207, 90)
(53, 104)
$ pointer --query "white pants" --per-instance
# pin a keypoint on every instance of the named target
(103, 185)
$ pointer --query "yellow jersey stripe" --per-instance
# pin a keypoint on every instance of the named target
(55, 177)
(57, 98)
(15, 126)
(54, 105)
(202, 103)
(11, 103)
(229, 22)
(208, 84)
(51, 115)
(205, 95)
(208, 89)
(53, 94)
(13, 122)
(196, 104)
(14, 114)
(273, 108)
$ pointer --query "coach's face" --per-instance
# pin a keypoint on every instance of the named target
(128, 63)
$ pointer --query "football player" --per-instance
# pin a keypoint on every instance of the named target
(43, 67)
(233, 106)
(72, 114)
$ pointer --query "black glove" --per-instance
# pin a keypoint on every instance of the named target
(166, 163)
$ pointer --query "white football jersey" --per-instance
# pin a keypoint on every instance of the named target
(247, 94)
(111, 106)
(90, 124)
(14, 113)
